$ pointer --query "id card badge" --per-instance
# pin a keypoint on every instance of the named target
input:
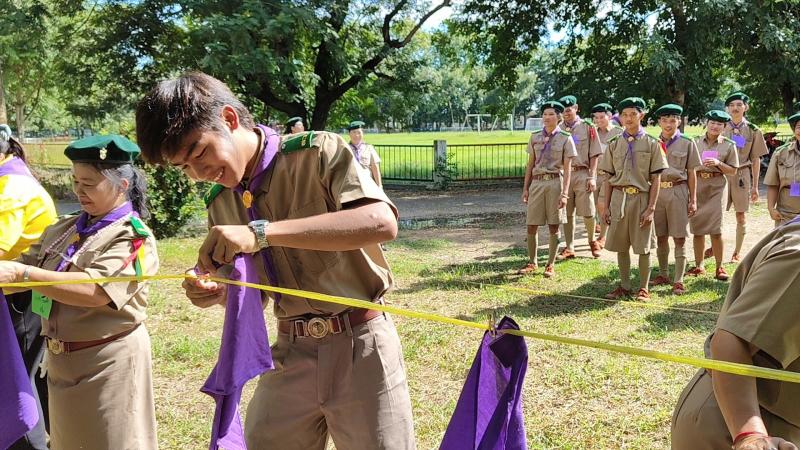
(794, 189)
(575, 139)
(710, 154)
(739, 140)
(41, 305)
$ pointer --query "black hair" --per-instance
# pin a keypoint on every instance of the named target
(137, 184)
(13, 147)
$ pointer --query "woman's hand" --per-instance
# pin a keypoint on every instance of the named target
(11, 271)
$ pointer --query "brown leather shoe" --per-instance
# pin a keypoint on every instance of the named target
(708, 253)
(696, 271)
(642, 295)
(618, 293)
(594, 246)
(721, 274)
(565, 254)
(601, 242)
(678, 288)
(660, 281)
(549, 272)
(529, 268)
(736, 258)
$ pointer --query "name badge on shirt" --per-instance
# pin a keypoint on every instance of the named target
(739, 140)
(794, 189)
(41, 305)
(710, 154)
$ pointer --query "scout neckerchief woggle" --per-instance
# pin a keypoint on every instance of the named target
(631, 138)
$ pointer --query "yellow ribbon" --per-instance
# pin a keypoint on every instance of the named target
(710, 364)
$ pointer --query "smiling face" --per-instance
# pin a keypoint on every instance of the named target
(96, 194)
(715, 128)
(356, 136)
(631, 119)
(737, 108)
(601, 119)
(570, 113)
(669, 124)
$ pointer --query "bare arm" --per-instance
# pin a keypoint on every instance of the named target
(84, 295)
(376, 174)
(756, 169)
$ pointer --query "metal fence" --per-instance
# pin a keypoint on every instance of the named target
(487, 161)
(406, 162)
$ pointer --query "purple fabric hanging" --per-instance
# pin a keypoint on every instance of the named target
(627, 136)
(548, 142)
(19, 413)
(488, 415)
(243, 355)
(15, 166)
(85, 230)
(357, 150)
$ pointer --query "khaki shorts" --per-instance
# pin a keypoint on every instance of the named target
(672, 212)
(543, 197)
(739, 196)
(697, 423)
(711, 197)
(600, 193)
(579, 200)
(624, 231)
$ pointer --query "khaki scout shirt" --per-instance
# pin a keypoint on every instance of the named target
(682, 156)
(784, 169)
(561, 149)
(726, 151)
(607, 135)
(587, 144)
(762, 308)
(367, 155)
(754, 147)
(316, 179)
(648, 156)
(101, 255)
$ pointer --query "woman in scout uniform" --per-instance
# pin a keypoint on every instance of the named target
(633, 161)
(756, 326)
(98, 360)
(750, 144)
(26, 209)
(583, 182)
(547, 179)
(365, 154)
(677, 198)
(783, 178)
(720, 158)
(294, 125)
(606, 129)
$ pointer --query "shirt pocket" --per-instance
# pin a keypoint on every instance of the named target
(643, 160)
(677, 159)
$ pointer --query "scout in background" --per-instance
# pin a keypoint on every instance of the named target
(365, 154)
(634, 161)
(720, 158)
(26, 209)
(294, 126)
(750, 144)
(547, 179)
(98, 359)
(315, 217)
(677, 198)
(606, 129)
(783, 178)
(583, 182)
(756, 326)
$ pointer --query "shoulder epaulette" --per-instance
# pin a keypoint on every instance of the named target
(653, 137)
(783, 147)
(686, 137)
(299, 142)
(212, 193)
(730, 141)
(589, 122)
(753, 126)
(565, 133)
(613, 138)
(536, 131)
(139, 227)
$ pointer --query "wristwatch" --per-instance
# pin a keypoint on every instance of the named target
(259, 227)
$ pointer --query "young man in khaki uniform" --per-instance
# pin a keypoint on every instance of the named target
(751, 146)
(365, 154)
(606, 130)
(720, 158)
(580, 198)
(339, 371)
(294, 126)
(757, 325)
(783, 178)
(677, 198)
(547, 175)
(634, 162)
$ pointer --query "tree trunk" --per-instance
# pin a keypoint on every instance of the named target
(20, 119)
(322, 111)
(787, 96)
(3, 112)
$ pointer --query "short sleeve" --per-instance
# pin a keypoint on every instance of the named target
(530, 148)
(772, 177)
(732, 159)
(693, 158)
(606, 163)
(12, 222)
(658, 161)
(569, 149)
(595, 149)
(759, 147)
(376, 159)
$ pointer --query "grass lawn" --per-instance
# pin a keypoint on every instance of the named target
(574, 398)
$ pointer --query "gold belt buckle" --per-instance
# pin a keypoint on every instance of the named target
(55, 346)
(630, 190)
(318, 327)
(705, 175)
(666, 184)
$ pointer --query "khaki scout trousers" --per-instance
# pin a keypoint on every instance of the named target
(697, 423)
(351, 387)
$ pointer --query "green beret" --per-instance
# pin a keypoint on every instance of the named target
(670, 109)
(796, 107)
(718, 116)
(290, 123)
(552, 104)
(111, 148)
(602, 107)
(632, 102)
(568, 100)
(793, 120)
(737, 96)
(354, 125)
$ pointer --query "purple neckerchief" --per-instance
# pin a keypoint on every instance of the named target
(488, 415)
(270, 149)
(629, 155)
(736, 127)
(244, 354)
(15, 166)
(19, 413)
(674, 138)
(357, 150)
(548, 142)
(85, 230)
(571, 126)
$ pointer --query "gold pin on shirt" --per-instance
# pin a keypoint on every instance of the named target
(247, 199)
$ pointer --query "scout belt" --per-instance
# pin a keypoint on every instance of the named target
(708, 175)
(320, 326)
(57, 347)
(632, 190)
(579, 168)
(545, 176)
(671, 184)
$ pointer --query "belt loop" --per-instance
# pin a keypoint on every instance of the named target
(291, 332)
(346, 319)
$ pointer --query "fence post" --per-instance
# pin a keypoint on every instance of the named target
(439, 162)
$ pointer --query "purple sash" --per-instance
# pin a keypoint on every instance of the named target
(15, 166)
(85, 230)
(243, 354)
(488, 415)
(18, 413)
